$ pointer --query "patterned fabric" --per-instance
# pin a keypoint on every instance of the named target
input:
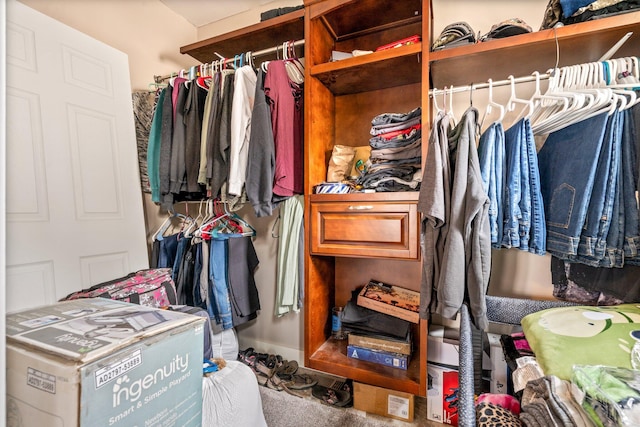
(552, 14)
(466, 408)
(490, 415)
(152, 287)
(143, 107)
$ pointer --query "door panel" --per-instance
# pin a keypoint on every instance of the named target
(74, 208)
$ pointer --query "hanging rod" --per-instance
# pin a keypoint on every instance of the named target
(474, 86)
(531, 78)
(263, 52)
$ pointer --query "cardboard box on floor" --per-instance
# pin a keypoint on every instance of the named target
(99, 362)
(382, 401)
(442, 395)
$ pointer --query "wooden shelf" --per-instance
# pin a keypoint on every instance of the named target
(354, 19)
(270, 33)
(332, 357)
(366, 197)
(523, 54)
(377, 70)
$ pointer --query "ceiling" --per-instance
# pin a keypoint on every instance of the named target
(202, 12)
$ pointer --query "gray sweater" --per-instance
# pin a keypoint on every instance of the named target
(462, 257)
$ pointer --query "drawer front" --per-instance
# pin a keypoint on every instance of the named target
(360, 229)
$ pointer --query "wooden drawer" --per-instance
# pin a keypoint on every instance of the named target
(365, 229)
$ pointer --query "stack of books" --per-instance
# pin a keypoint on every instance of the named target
(379, 324)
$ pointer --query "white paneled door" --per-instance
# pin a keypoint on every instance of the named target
(73, 202)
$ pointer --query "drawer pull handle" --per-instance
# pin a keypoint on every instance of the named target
(360, 208)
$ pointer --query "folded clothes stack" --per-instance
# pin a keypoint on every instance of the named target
(461, 33)
(364, 321)
(396, 153)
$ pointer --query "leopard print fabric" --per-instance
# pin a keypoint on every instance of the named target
(490, 415)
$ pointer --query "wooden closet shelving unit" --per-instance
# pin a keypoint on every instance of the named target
(353, 238)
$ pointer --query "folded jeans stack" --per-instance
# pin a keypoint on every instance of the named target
(396, 152)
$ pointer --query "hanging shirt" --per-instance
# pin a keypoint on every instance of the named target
(221, 138)
(243, 98)
(166, 137)
(285, 98)
(153, 149)
(287, 281)
(193, 115)
(177, 169)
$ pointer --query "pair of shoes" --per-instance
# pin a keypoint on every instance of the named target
(286, 368)
(269, 378)
(300, 382)
(329, 396)
(248, 357)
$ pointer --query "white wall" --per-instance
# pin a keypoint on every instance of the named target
(242, 20)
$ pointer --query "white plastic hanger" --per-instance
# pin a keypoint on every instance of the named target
(449, 110)
(435, 104)
(513, 100)
(295, 69)
(490, 104)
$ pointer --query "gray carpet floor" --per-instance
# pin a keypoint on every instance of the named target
(285, 410)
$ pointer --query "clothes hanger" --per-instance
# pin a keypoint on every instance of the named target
(159, 235)
(591, 101)
(450, 109)
(490, 104)
(557, 104)
(246, 228)
(295, 70)
(195, 221)
(513, 99)
(435, 104)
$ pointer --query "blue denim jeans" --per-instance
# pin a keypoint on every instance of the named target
(182, 244)
(593, 238)
(391, 118)
(567, 172)
(630, 140)
(512, 188)
(524, 220)
(492, 170)
(538, 231)
(218, 273)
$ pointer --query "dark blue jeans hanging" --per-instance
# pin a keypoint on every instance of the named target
(568, 163)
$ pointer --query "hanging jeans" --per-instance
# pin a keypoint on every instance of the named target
(538, 232)
(168, 249)
(182, 245)
(513, 215)
(524, 219)
(492, 170)
(593, 238)
(630, 140)
(218, 274)
(568, 163)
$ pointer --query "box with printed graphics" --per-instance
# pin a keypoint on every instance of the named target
(102, 362)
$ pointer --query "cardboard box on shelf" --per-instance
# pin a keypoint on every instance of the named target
(382, 401)
(102, 362)
(392, 300)
(498, 365)
(441, 349)
(442, 395)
